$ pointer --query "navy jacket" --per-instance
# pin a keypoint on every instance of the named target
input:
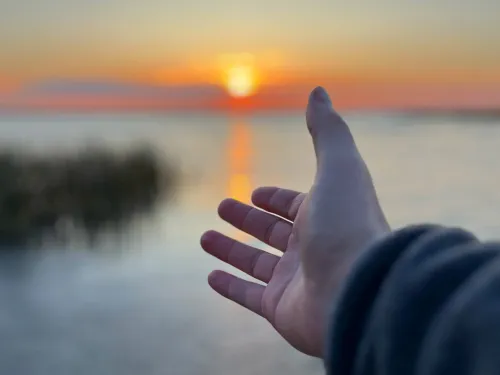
(424, 301)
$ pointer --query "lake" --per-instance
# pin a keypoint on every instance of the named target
(146, 309)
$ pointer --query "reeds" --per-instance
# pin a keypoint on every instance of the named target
(44, 196)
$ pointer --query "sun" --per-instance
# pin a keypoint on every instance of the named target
(241, 81)
(239, 74)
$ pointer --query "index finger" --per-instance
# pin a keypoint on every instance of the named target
(282, 202)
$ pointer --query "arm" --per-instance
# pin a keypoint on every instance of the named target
(425, 300)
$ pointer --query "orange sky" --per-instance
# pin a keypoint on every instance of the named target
(277, 89)
(384, 54)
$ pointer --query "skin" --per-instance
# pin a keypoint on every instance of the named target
(321, 234)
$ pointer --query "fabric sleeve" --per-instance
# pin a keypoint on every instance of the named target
(426, 301)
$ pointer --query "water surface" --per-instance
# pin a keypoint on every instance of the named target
(146, 309)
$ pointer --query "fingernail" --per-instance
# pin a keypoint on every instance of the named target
(320, 95)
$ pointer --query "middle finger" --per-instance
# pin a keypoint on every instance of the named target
(262, 225)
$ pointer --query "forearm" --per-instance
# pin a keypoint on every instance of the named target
(426, 300)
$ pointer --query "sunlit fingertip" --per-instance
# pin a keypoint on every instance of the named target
(320, 96)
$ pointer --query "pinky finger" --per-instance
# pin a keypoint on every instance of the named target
(244, 293)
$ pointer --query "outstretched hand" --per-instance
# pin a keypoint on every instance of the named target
(320, 233)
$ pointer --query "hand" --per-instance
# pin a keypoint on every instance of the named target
(320, 233)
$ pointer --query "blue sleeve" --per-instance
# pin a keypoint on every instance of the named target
(425, 301)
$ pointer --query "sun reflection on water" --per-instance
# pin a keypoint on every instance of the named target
(239, 156)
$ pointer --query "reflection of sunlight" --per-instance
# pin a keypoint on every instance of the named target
(239, 155)
(240, 187)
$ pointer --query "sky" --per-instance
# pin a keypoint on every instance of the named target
(368, 49)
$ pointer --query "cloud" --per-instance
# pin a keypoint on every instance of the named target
(100, 95)
(117, 89)
(97, 94)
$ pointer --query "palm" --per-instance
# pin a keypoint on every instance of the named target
(285, 303)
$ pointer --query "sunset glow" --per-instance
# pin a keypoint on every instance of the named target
(190, 55)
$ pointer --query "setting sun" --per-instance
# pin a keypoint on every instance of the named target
(241, 81)
(239, 74)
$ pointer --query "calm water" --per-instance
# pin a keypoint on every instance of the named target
(148, 310)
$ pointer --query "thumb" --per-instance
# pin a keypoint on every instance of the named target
(331, 135)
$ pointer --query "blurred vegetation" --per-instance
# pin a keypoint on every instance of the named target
(46, 198)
